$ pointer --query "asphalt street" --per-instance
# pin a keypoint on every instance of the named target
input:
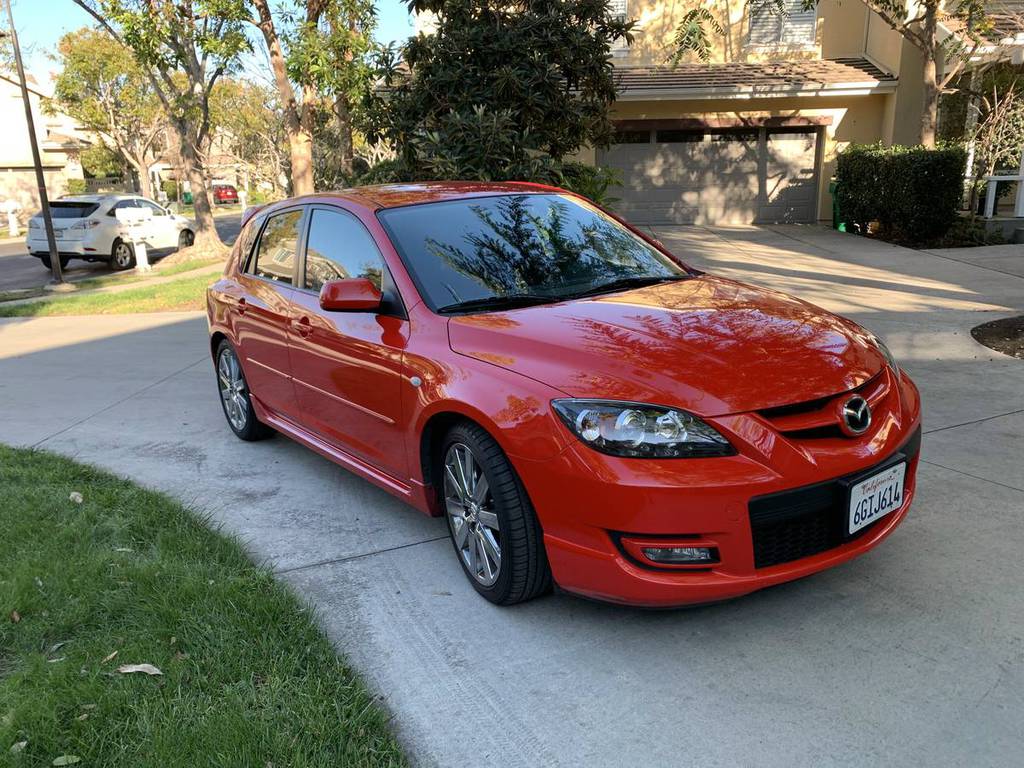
(19, 270)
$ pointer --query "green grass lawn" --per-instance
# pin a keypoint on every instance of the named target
(127, 576)
(186, 293)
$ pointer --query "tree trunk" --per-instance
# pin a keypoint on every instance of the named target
(343, 114)
(145, 182)
(297, 118)
(206, 233)
(930, 84)
(300, 148)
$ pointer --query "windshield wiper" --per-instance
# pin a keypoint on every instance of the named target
(624, 283)
(509, 301)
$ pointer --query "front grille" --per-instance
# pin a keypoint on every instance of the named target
(792, 525)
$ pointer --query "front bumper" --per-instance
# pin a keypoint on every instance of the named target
(588, 503)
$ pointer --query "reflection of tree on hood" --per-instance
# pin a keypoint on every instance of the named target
(518, 249)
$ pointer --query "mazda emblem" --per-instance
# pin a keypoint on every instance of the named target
(856, 416)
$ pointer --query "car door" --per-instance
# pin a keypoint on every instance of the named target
(347, 366)
(264, 311)
(162, 229)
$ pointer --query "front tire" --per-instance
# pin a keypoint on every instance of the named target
(122, 256)
(234, 396)
(493, 528)
(185, 238)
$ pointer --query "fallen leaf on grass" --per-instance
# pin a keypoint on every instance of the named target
(77, 498)
(149, 669)
(83, 716)
(66, 760)
(88, 706)
(17, 746)
(123, 549)
(15, 617)
(57, 646)
(54, 661)
(110, 657)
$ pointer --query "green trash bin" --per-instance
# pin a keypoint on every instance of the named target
(186, 198)
(837, 223)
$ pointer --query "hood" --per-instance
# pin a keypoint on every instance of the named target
(709, 345)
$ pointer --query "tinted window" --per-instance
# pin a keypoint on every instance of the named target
(245, 241)
(541, 245)
(156, 209)
(632, 137)
(339, 247)
(61, 210)
(120, 204)
(275, 257)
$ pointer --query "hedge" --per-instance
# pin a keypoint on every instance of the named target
(912, 192)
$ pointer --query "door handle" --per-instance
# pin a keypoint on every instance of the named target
(303, 327)
(241, 306)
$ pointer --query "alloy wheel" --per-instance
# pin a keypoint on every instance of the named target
(471, 515)
(232, 389)
(123, 255)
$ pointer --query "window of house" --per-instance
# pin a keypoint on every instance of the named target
(674, 136)
(275, 256)
(631, 137)
(617, 9)
(339, 247)
(795, 26)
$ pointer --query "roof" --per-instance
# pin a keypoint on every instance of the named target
(412, 193)
(802, 77)
(1007, 18)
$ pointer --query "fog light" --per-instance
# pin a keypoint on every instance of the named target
(680, 555)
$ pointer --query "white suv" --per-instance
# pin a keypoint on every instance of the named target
(86, 227)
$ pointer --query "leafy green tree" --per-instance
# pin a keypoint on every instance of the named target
(317, 51)
(918, 23)
(100, 85)
(499, 90)
(247, 119)
(100, 161)
(183, 47)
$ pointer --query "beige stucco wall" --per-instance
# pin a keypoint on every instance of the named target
(842, 30)
(853, 119)
(17, 172)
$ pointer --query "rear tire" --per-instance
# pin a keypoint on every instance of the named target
(49, 264)
(122, 256)
(491, 514)
(234, 395)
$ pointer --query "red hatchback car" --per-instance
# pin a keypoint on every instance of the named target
(584, 408)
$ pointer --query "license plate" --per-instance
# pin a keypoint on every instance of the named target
(876, 496)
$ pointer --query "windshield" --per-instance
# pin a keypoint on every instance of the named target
(513, 250)
(72, 210)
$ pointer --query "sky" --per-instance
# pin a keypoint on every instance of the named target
(41, 23)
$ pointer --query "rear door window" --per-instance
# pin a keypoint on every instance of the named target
(275, 254)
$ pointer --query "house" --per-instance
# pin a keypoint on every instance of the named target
(752, 135)
(61, 142)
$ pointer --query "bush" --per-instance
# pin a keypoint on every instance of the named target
(912, 192)
(77, 187)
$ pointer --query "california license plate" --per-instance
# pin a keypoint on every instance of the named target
(876, 496)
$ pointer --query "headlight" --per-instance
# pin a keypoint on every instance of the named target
(640, 430)
(886, 353)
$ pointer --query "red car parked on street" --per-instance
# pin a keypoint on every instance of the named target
(225, 194)
(583, 407)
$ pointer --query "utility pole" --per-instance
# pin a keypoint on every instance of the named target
(44, 202)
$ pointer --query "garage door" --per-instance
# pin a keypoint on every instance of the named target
(715, 176)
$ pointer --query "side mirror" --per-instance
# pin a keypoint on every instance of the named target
(354, 294)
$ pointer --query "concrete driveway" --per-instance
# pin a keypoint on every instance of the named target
(912, 655)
